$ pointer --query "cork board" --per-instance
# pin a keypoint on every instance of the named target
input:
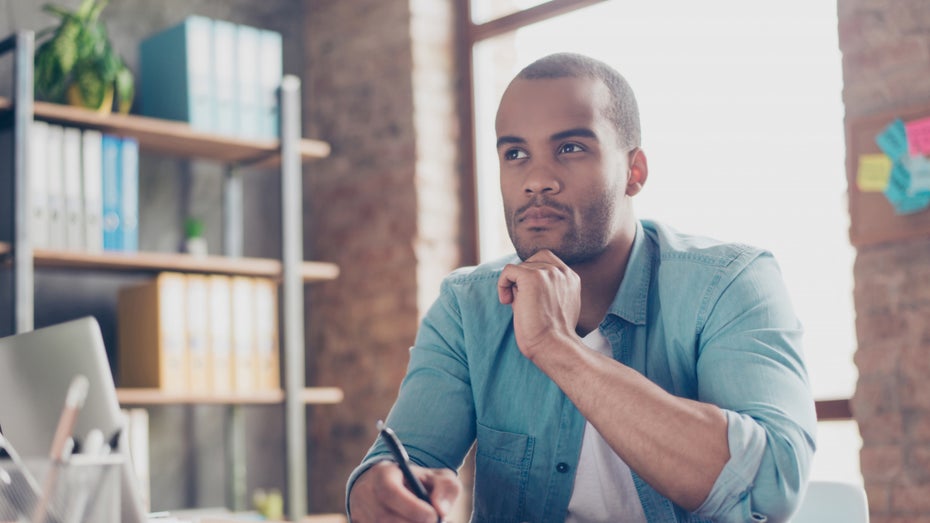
(872, 218)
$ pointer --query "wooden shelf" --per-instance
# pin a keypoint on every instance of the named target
(173, 138)
(158, 261)
(309, 396)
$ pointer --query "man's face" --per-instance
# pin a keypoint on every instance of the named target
(563, 175)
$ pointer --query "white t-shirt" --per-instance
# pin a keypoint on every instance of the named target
(604, 490)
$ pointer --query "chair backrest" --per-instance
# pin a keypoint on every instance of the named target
(833, 501)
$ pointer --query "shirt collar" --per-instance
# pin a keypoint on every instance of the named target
(630, 301)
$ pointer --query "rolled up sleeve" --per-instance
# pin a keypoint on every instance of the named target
(434, 411)
(751, 365)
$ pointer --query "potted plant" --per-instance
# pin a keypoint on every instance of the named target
(77, 64)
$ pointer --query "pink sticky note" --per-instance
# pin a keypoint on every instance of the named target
(918, 136)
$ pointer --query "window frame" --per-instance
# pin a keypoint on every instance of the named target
(827, 409)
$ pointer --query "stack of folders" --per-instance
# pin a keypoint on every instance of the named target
(85, 189)
(136, 425)
(199, 334)
(217, 76)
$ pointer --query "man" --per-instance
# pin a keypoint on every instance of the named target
(616, 371)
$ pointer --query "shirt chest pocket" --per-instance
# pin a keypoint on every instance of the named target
(502, 469)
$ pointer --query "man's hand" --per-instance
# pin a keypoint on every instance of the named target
(546, 298)
(380, 495)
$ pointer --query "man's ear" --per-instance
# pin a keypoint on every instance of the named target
(639, 171)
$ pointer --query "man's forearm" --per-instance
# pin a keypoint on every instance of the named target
(677, 445)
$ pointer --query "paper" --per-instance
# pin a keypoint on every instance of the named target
(919, 169)
(906, 146)
(918, 136)
(874, 171)
(893, 140)
(898, 189)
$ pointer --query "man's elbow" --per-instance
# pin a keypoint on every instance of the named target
(774, 492)
(782, 479)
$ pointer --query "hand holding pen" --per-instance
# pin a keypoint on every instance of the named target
(383, 492)
(403, 461)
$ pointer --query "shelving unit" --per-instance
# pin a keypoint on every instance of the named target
(177, 139)
(310, 272)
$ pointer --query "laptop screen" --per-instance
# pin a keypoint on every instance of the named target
(36, 369)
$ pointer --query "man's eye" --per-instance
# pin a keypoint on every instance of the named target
(570, 148)
(514, 154)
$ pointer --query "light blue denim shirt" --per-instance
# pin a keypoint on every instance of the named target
(702, 319)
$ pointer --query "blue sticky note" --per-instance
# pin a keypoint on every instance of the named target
(913, 204)
(898, 192)
(898, 182)
(919, 169)
(893, 140)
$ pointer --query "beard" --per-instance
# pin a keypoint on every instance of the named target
(586, 233)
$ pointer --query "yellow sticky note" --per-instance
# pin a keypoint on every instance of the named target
(873, 173)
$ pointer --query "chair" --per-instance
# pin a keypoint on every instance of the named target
(833, 501)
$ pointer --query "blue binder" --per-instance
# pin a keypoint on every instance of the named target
(129, 201)
(176, 74)
(112, 191)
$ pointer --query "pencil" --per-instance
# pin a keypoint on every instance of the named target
(74, 400)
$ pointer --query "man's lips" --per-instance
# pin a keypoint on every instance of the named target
(539, 217)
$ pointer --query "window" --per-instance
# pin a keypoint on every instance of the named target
(743, 127)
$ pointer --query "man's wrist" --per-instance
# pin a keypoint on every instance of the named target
(358, 473)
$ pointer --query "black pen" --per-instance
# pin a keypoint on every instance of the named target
(403, 461)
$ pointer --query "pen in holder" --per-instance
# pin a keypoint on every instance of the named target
(62, 444)
(86, 489)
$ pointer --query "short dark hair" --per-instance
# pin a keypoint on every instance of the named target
(623, 111)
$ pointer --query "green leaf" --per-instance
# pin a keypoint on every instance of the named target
(86, 9)
(91, 86)
(125, 89)
(95, 12)
(60, 12)
(49, 77)
(64, 43)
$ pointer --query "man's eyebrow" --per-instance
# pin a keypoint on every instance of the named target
(579, 132)
(509, 140)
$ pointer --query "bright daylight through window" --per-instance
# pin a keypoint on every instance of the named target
(743, 126)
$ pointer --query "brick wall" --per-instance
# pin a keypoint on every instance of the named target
(886, 59)
(379, 86)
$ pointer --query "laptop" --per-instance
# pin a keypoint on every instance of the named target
(36, 369)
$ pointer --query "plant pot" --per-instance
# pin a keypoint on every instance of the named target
(75, 99)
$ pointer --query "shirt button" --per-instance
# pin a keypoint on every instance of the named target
(562, 467)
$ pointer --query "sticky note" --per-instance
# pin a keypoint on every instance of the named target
(913, 204)
(918, 136)
(919, 169)
(898, 182)
(873, 173)
(897, 192)
(893, 140)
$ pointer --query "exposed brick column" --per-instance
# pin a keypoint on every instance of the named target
(886, 59)
(379, 87)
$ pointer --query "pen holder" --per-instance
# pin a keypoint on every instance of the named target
(83, 489)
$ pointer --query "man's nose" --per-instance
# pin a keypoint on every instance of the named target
(542, 178)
